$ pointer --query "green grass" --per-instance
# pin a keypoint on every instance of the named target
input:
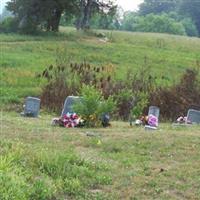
(24, 56)
(38, 161)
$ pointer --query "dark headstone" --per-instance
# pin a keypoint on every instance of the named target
(31, 107)
(193, 116)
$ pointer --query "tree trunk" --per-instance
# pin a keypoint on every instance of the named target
(79, 21)
(84, 21)
(87, 14)
(56, 20)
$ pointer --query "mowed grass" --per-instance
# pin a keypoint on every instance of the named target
(41, 162)
(22, 57)
(38, 161)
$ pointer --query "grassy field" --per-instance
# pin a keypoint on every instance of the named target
(38, 161)
(24, 56)
(41, 162)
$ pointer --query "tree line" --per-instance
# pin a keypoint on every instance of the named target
(30, 16)
(165, 16)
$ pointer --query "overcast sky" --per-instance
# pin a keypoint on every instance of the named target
(126, 4)
(129, 4)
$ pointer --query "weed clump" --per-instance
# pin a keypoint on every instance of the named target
(42, 174)
(66, 79)
(177, 99)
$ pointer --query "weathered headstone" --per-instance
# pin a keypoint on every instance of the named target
(193, 116)
(31, 107)
(68, 105)
(154, 110)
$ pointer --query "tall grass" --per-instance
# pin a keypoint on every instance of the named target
(41, 174)
(22, 57)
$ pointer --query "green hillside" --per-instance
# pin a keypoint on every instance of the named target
(43, 162)
(22, 57)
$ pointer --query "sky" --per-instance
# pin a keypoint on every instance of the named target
(129, 4)
(125, 4)
(2, 4)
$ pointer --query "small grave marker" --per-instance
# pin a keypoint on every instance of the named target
(32, 107)
(193, 116)
(155, 111)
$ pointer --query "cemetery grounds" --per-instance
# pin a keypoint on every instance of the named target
(38, 161)
(119, 162)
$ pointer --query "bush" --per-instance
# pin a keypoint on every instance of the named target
(140, 105)
(160, 24)
(190, 27)
(66, 79)
(8, 25)
(93, 106)
(130, 21)
(177, 99)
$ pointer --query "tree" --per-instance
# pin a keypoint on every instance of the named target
(192, 9)
(87, 8)
(160, 24)
(46, 14)
(157, 6)
(130, 21)
(109, 20)
(5, 14)
(190, 27)
(34, 13)
(188, 23)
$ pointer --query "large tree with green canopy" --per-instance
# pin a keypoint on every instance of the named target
(46, 14)
(158, 6)
(191, 9)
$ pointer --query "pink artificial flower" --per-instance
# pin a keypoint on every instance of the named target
(153, 120)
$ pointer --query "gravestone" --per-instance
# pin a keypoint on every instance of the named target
(31, 107)
(193, 116)
(154, 110)
(68, 105)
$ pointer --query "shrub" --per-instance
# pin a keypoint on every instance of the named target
(177, 99)
(93, 106)
(129, 92)
(160, 24)
(66, 79)
(190, 27)
(125, 101)
(140, 104)
(8, 25)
